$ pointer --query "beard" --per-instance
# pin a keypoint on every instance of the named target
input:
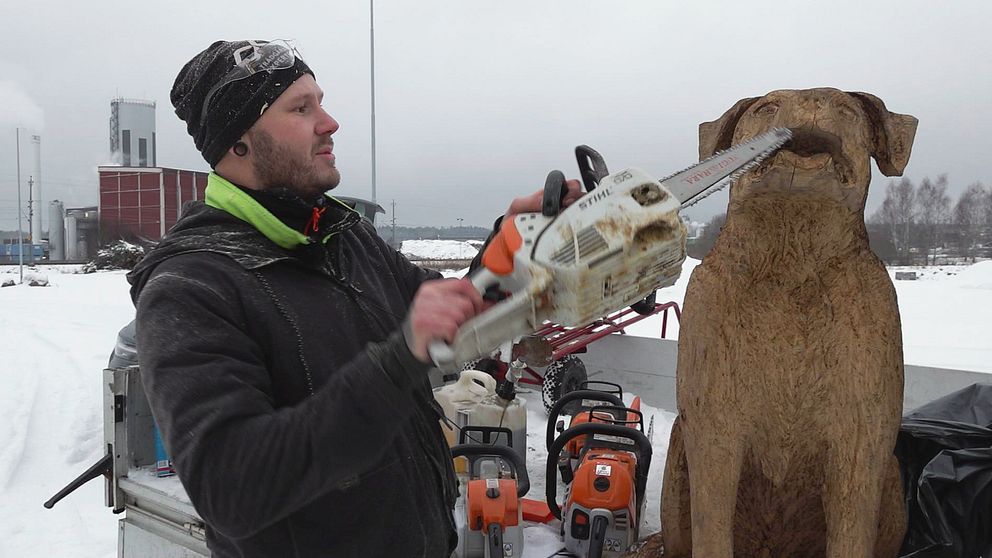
(278, 166)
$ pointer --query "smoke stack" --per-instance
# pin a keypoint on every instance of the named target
(36, 191)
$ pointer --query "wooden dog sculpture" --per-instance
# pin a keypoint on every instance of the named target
(790, 370)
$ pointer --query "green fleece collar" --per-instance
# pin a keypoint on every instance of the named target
(223, 195)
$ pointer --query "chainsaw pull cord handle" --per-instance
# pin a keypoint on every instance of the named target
(592, 166)
(641, 442)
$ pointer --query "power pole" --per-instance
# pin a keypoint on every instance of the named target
(372, 80)
(394, 225)
(31, 210)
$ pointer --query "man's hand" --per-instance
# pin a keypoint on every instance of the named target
(439, 307)
(533, 202)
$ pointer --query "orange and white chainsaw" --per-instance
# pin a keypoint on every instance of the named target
(618, 244)
(605, 478)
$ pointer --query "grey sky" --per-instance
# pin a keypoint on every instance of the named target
(477, 101)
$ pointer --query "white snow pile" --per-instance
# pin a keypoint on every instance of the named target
(55, 343)
(439, 249)
(976, 276)
(119, 255)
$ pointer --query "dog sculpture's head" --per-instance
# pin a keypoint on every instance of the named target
(835, 135)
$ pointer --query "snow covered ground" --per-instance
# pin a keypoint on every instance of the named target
(55, 341)
(440, 249)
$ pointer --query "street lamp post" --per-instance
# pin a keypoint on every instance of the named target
(20, 227)
(462, 245)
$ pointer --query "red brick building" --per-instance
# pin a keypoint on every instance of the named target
(144, 202)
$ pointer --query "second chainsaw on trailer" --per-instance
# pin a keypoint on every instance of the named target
(605, 471)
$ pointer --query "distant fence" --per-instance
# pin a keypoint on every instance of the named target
(439, 264)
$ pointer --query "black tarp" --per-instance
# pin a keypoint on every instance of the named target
(945, 454)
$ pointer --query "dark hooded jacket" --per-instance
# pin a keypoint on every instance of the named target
(298, 420)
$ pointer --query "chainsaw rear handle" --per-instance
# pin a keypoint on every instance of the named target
(636, 422)
(505, 453)
(590, 394)
(489, 435)
(605, 387)
(641, 442)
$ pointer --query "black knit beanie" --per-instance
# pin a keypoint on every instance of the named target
(235, 107)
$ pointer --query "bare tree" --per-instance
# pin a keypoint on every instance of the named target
(987, 211)
(898, 215)
(933, 211)
(969, 216)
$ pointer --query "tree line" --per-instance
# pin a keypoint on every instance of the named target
(915, 225)
(919, 224)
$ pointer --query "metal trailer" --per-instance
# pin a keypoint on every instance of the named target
(159, 521)
(567, 372)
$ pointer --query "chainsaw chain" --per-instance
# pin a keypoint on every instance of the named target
(786, 136)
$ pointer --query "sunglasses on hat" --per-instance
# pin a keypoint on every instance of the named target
(253, 58)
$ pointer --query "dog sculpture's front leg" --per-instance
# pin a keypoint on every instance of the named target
(714, 453)
(853, 489)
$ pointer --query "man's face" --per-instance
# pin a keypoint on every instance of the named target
(291, 145)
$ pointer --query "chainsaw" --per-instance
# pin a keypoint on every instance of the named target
(570, 405)
(488, 512)
(604, 494)
(586, 404)
(614, 247)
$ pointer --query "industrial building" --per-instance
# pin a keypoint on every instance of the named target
(132, 132)
(137, 200)
(144, 202)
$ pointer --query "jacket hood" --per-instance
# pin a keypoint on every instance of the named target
(206, 229)
(238, 225)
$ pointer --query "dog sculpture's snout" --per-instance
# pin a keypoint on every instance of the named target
(807, 142)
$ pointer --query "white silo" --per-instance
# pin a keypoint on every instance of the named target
(132, 132)
(56, 231)
(71, 237)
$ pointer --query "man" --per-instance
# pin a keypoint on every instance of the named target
(283, 344)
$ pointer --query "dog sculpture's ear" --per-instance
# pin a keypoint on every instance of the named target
(892, 134)
(717, 135)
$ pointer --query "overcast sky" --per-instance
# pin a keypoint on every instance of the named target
(477, 101)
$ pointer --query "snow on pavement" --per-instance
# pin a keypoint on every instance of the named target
(56, 340)
(55, 343)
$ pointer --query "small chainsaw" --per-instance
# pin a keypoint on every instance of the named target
(615, 246)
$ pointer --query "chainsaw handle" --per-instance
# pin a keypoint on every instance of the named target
(441, 353)
(591, 394)
(588, 429)
(592, 166)
(503, 452)
(555, 190)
